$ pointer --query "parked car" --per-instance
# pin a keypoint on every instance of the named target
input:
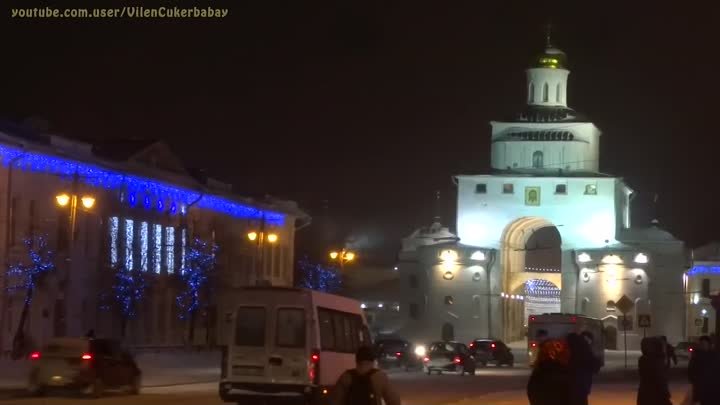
(83, 364)
(684, 350)
(449, 356)
(491, 351)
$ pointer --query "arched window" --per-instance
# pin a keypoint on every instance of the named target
(537, 162)
(584, 308)
(545, 93)
(531, 92)
(559, 91)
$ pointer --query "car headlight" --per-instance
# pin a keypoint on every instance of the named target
(420, 351)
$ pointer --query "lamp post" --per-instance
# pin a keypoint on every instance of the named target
(342, 257)
(260, 237)
(64, 199)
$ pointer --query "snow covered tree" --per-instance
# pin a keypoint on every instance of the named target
(129, 287)
(318, 277)
(26, 276)
(194, 278)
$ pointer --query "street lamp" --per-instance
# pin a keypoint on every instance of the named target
(259, 237)
(65, 199)
(342, 257)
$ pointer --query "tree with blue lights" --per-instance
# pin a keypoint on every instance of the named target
(26, 277)
(315, 276)
(194, 277)
(129, 288)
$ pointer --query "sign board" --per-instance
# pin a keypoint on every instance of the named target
(644, 321)
(625, 323)
(624, 304)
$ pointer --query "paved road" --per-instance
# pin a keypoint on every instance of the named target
(489, 386)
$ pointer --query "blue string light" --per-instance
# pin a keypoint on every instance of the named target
(200, 263)
(541, 289)
(99, 177)
(697, 270)
(128, 291)
(316, 277)
(26, 276)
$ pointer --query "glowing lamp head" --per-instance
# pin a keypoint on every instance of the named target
(252, 236)
(62, 199)
(448, 255)
(334, 255)
(88, 201)
(272, 237)
(349, 256)
(420, 351)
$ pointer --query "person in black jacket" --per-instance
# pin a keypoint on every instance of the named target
(583, 364)
(551, 380)
(653, 389)
(703, 374)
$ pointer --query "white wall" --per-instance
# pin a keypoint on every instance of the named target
(537, 77)
(584, 221)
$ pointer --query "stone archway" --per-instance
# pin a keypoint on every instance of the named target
(531, 250)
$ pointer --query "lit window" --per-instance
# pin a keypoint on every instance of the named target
(183, 242)
(584, 257)
(114, 225)
(537, 160)
(591, 189)
(157, 248)
(144, 246)
(641, 258)
(481, 188)
(129, 228)
(448, 255)
(508, 188)
(612, 259)
(545, 92)
(531, 93)
(561, 189)
(170, 249)
(477, 255)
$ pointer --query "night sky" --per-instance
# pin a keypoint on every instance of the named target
(361, 110)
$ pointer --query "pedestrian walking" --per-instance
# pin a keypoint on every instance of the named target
(653, 389)
(669, 351)
(550, 379)
(364, 384)
(703, 374)
(583, 365)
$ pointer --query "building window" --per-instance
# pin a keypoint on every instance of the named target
(476, 305)
(157, 248)
(508, 188)
(113, 229)
(129, 230)
(449, 300)
(170, 249)
(537, 160)
(561, 189)
(414, 311)
(705, 292)
(559, 91)
(481, 188)
(545, 93)
(183, 245)
(591, 189)
(610, 306)
(531, 92)
(413, 281)
(144, 245)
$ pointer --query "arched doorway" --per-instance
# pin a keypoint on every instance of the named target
(531, 265)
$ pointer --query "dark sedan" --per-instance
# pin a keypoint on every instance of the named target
(492, 351)
(449, 357)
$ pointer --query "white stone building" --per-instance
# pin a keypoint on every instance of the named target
(701, 282)
(147, 209)
(544, 231)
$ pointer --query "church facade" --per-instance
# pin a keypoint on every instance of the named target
(544, 231)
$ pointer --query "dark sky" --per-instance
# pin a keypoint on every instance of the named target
(373, 105)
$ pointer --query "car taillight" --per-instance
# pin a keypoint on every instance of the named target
(472, 344)
(87, 356)
(492, 345)
(426, 359)
(457, 360)
(532, 319)
(35, 356)
(690, 350)
(398, 354)
(533, 344)
(314, 367)
(573, 319)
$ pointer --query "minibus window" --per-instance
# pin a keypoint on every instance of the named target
(250, 326)
(290, 331)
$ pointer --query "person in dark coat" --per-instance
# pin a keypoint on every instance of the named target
(703, 370)
(583, 364)
(669, 351)
(550, 379)
(653, 389)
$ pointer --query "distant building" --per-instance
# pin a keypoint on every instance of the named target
(702, 281)
(544, 231)
(147, 210)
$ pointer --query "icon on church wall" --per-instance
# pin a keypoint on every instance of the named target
(532, 196)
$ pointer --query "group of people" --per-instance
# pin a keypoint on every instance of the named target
(563, 371)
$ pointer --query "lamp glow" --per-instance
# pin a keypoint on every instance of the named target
(612, 259)
(479, 255)
(272, 238)
(584, 257)
(448, 255)
(62, 199)
(641, 258)
(334, 255)
(349, 256)
(88, 201)
(252, 236)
